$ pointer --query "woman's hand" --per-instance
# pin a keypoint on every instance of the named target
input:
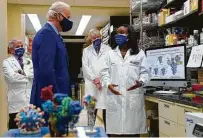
(137, 85)
(111, 88)
(97, 84)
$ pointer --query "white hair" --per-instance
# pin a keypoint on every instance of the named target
(57, 7)
(11, 43)
(93, 32)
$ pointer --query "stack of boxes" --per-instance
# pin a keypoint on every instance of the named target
(165, 16)
(200, 76)
(162, 16)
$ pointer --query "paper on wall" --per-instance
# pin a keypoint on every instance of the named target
(196, 55)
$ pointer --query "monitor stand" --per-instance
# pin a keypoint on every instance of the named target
(174, 84)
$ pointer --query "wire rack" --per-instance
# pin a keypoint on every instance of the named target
(146, 26)
(154, 41)
(146, 5)
(141, 24)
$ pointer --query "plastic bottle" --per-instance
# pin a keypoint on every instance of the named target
(201, 37)
(191, 41)
(196, 37)
(73, 91)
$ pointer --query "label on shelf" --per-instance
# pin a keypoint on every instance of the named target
(196, 55)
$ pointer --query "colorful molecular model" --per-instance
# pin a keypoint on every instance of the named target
(89, 101)
(63, 111)
(29, 120)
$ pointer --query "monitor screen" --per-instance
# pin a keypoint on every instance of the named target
(167, 63)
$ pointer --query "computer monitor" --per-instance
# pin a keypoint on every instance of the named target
(167, 66)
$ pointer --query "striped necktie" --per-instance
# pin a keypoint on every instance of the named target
(20, 60)
(61, 38)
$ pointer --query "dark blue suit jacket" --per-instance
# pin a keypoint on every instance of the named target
(50, 64)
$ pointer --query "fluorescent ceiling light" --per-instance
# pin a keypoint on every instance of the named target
(83, 24)
(35, 21)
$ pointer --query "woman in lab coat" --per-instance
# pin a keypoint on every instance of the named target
(92, 63)
(124, 75)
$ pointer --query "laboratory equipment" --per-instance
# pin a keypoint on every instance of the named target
(73, 91)
(194, 124)
(196, 37)
(201, 37)
(167, 66)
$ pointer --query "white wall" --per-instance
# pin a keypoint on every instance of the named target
(3, 55)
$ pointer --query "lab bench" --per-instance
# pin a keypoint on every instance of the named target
(171, 113)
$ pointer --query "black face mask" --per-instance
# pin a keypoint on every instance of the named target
(66, 24)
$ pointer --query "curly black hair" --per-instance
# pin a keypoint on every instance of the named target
(132, 40)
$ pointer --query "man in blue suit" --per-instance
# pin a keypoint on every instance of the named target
(49, 55)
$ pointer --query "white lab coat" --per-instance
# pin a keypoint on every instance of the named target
(92, 65)
(125, 114)
(28, 69)
(18, 85)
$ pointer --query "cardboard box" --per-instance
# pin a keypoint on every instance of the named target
(193, 5)
(186, 7)
(179, 14)
(200, 74)
(170, 18)
(162, 16)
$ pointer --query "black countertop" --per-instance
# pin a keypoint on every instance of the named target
(177, 99)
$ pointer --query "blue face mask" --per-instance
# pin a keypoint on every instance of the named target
(97, 44)
(121, 39)
(66, 24)
(19, 52)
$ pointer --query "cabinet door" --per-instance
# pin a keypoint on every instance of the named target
(99, 114)
(181, 110)
(168, 110)
(167, 127)
(181, 131)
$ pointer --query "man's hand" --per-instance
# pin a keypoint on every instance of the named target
(21, 72)
(111, 88)
(137, 85)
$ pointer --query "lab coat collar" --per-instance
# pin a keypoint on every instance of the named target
(100, 51)
(93, 50)
(14, 61)
(117, 50)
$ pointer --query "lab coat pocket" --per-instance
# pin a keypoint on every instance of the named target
(131, 76)
(114, 71)
(18, 96)
(133, 70)
(135, 102)
(111, 103)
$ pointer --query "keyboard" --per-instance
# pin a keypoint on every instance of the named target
(165, 92)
